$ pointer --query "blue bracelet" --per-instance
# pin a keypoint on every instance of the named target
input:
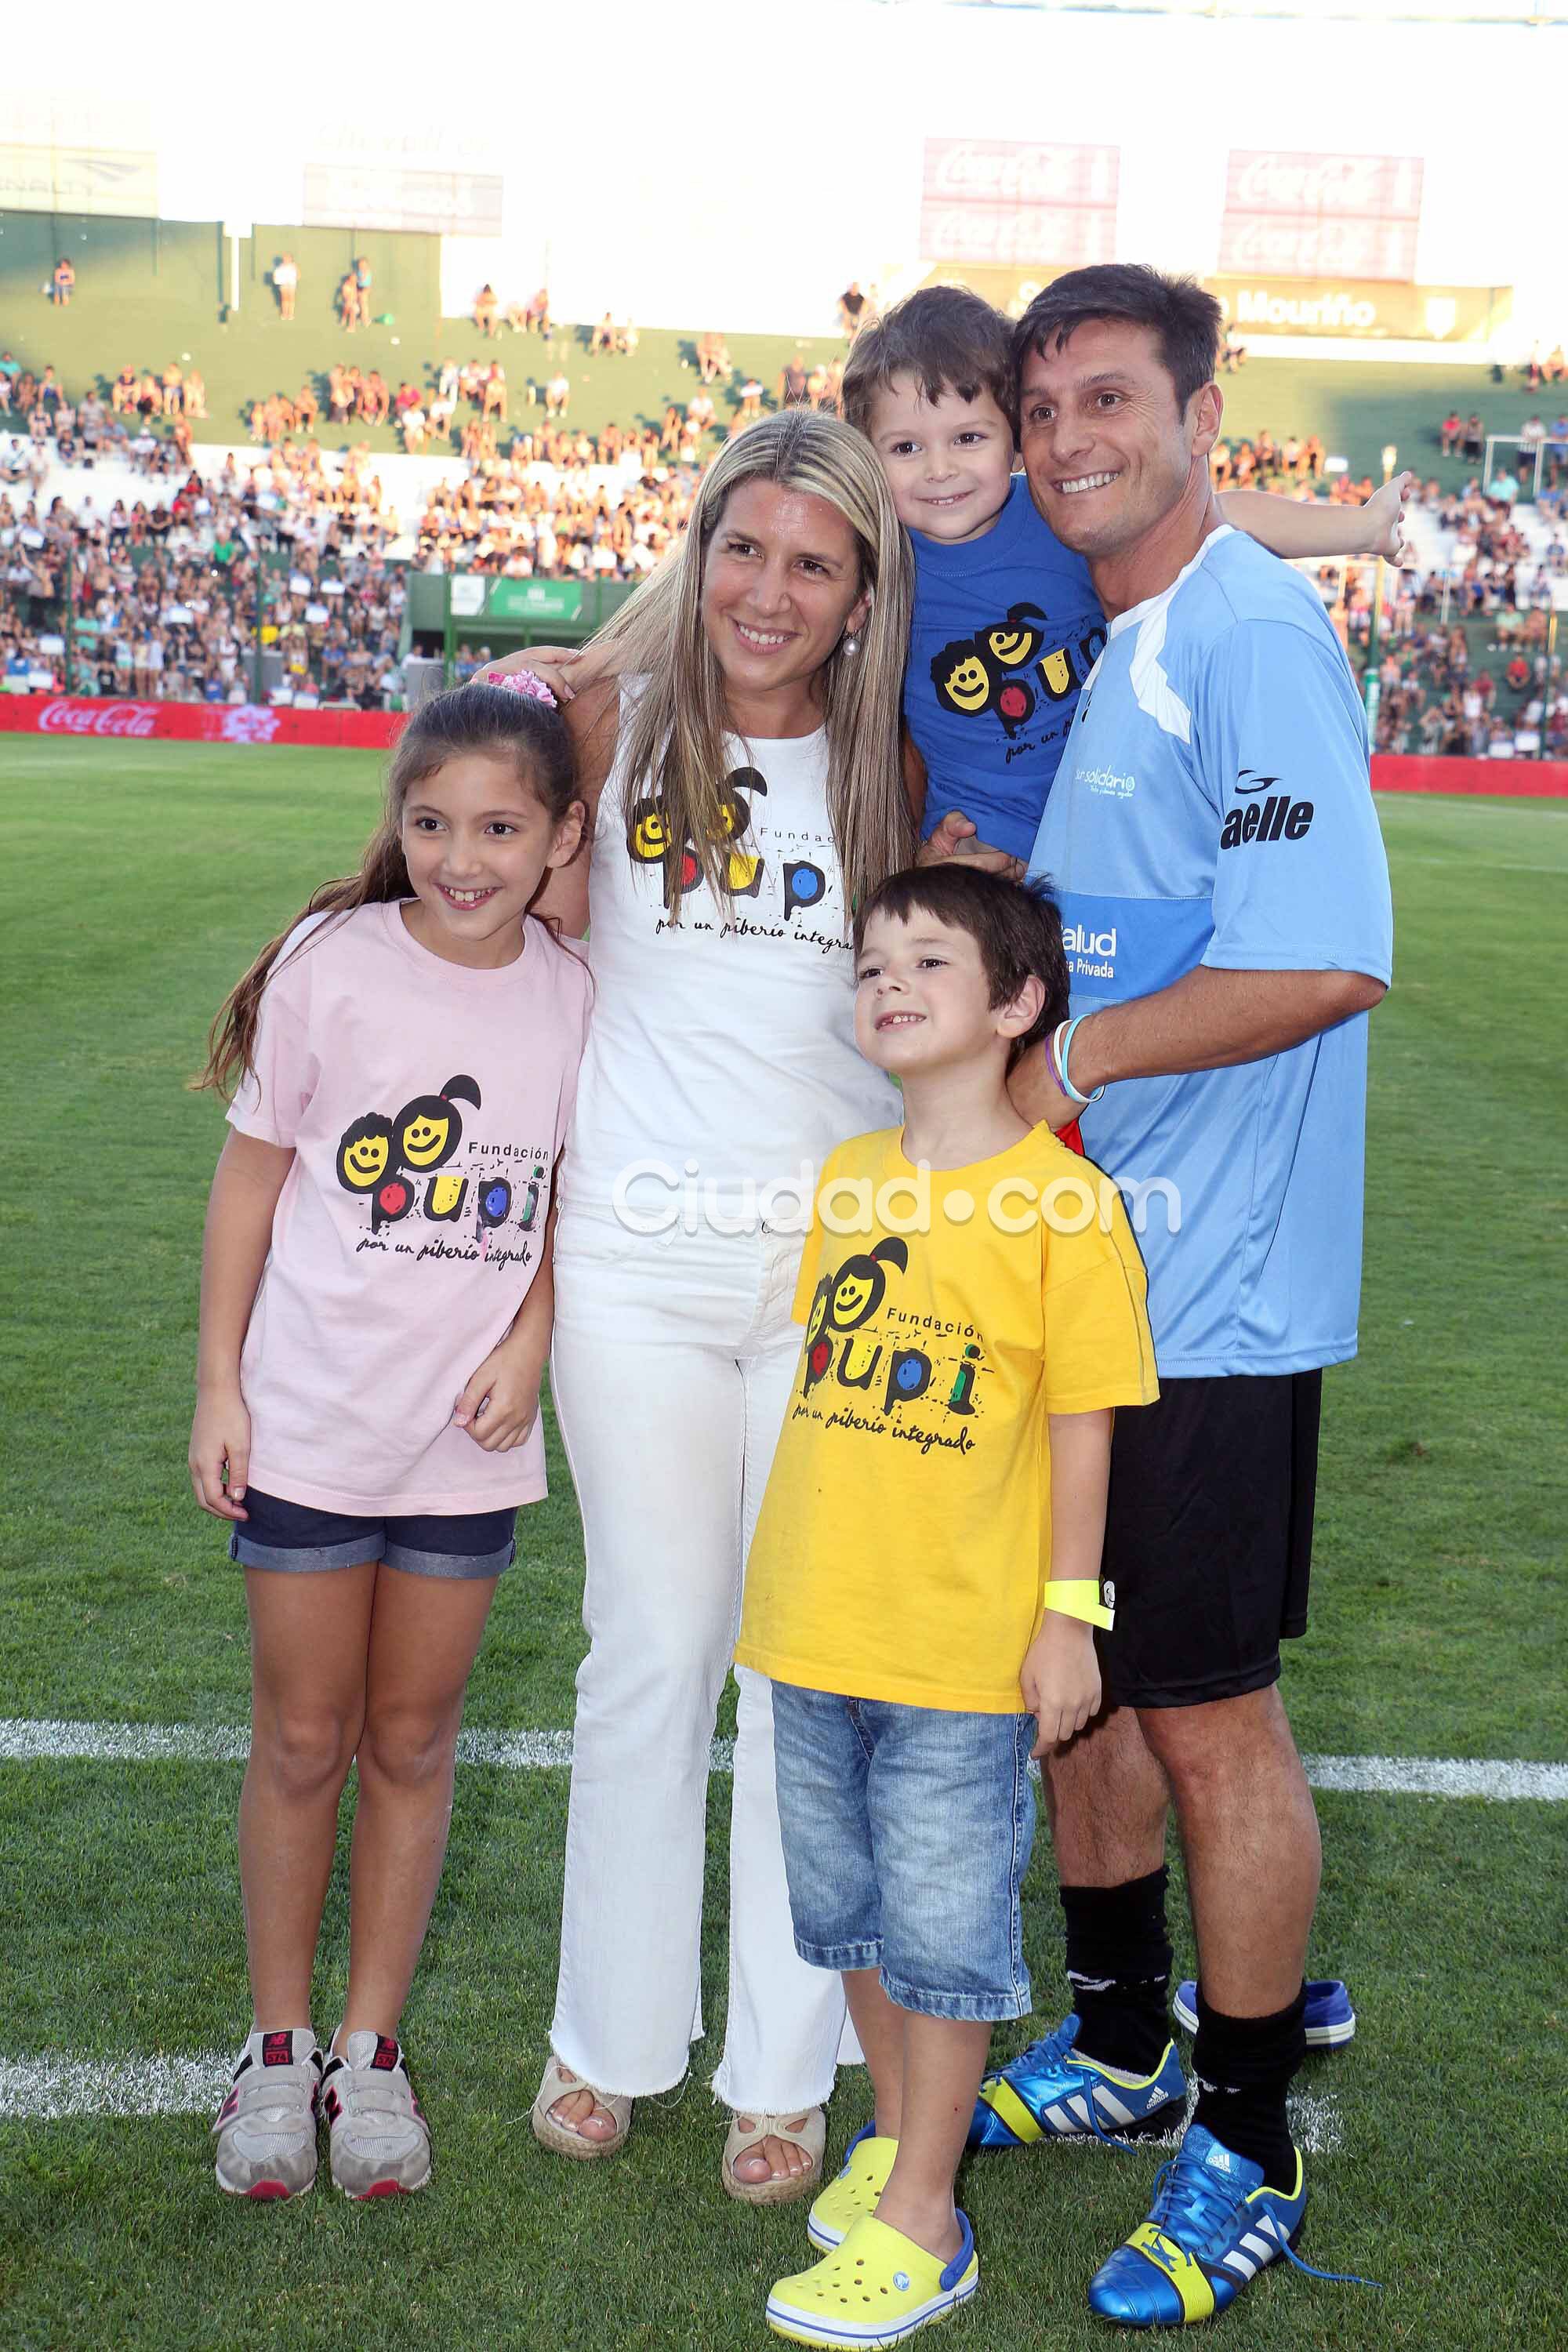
(1063, 1050)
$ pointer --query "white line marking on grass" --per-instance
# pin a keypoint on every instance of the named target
(516, 1751)
(1481, 865)
(25, 1742)
(1439, 1776)
(22, 1741)
(50, 2090)
(45, 2089)
(1315, 2124)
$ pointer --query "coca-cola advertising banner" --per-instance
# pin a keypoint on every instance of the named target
(1005, 202)
(374, 731)
(1320, 216)
(1353, 187)
(194, 722)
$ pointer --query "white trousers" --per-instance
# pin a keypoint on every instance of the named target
(672, 1364)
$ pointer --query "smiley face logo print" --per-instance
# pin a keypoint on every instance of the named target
(859, 1368)
(653, 843)
(384, 1160)
(1006, 672)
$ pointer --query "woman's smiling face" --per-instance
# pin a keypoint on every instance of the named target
(781, 584)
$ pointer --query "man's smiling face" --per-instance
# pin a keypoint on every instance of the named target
(1107, 448)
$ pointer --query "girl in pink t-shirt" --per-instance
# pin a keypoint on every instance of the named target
(377, 1307)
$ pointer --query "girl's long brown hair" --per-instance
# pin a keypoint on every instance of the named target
(472, 719)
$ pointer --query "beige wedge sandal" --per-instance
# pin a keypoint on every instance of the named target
(562, 2139)
(809, 2135)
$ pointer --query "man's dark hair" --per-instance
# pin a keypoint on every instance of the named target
(1015, 925)
(1186, 320)
(947, 338)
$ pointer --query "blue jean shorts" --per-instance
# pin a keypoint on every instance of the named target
(297, 1536)
(907, 1833)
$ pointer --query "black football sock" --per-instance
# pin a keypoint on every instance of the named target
(1244, 2066)
(1119, 1966)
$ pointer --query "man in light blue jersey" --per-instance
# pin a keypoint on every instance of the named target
(1225, 900)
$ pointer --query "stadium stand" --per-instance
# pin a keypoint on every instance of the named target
(175, 523)
(148, 293)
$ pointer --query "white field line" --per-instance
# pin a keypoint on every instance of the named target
(48, 2090)
(24, 1742)
(42, 2090)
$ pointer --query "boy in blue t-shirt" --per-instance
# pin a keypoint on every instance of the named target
(1006, 625)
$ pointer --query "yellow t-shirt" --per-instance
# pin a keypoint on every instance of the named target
(904, 1539)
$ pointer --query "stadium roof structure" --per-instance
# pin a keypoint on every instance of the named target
(1545, 13)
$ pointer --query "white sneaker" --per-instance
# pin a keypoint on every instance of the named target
(379, 2139)
(265, 2128)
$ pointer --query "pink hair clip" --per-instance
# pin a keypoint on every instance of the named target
(522, 681)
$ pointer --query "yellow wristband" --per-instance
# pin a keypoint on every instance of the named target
(1078, 1596)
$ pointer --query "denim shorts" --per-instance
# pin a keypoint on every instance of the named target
(297, 1536)
(907, 1833)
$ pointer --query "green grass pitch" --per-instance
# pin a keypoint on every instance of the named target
(139, 882)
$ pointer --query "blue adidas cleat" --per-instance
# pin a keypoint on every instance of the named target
(1212, 2228)
(1331, 2020)
(1048, 2092)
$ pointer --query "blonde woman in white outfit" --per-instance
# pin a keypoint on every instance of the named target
(744, 787)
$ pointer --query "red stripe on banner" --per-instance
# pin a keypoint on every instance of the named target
(1399, 772)
(376, 731)
(195, 722)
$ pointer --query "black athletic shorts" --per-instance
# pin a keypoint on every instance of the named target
(1208, 1538)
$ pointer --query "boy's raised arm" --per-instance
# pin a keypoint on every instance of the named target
(1309, 527)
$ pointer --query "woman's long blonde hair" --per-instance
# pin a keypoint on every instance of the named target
(673, 737)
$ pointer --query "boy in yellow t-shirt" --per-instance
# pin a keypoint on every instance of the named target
(924, 1582)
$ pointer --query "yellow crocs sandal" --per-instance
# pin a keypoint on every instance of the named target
(878, 2287)
(854, 2189)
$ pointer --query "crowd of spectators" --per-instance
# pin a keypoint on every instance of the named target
(529, 318)
(173, 597)
(38, 404)
(1465, 654)
(466, 406)
(1265, 462)
(1476, 695)
(581, 520)
(1543, 449)
(1546, 367)
(301, 561)
(462, 407)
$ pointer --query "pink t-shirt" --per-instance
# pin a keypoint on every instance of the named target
(425, 1104)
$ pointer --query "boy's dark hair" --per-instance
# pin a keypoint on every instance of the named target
(947, 338)
(1016, 926)
(1185, 319)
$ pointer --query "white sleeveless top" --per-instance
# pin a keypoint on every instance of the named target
(726, 1039)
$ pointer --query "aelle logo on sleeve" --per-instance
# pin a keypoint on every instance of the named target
(1267, 816)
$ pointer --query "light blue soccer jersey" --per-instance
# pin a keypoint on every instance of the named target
(1213, 806)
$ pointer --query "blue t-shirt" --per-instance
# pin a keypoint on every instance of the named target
(1214, 808)
(1005, 630)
